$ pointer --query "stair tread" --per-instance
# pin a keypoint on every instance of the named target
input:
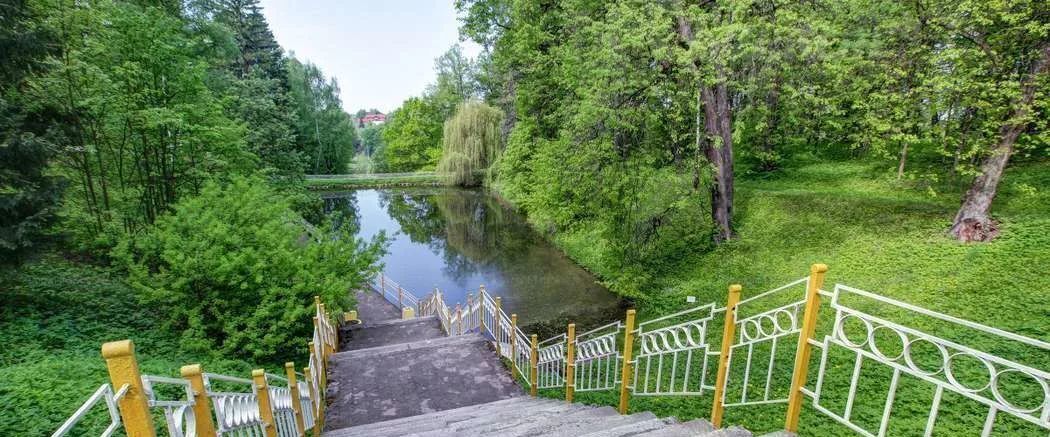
(632, 428)
(687, 429)
(467, 411)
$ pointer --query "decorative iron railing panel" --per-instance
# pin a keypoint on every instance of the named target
(178, 413)
(281, 406)
(236, 412)
(674, 354)
(550, 367)
(997, 383)
(598, 358)
(761, 358)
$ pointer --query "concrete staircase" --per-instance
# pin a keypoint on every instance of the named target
(406, 378)
(527, 416)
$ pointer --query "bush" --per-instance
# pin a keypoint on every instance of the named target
(237, 270)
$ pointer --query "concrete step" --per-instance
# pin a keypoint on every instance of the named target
(607, 418)
(498, 422)
(389, 332)
(440, 420)
(437, 342)
(691, 428)
(526, 416)
(409, 379)
(635, 428)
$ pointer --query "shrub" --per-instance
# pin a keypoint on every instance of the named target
(237, 269)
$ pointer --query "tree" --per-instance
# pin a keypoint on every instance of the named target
(326, 132)
(28, 194)
(456, 81)
(372, 139)
(1003, 48)
(472, 142)
(132, 143)
(412, 137)
(260, 88)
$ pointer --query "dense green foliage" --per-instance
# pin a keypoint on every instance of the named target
(55, 317)
(472, 142)
(135, 125)
(239, 270)
(28, 195)
(627, 115)
(411, 137)
(326, 131)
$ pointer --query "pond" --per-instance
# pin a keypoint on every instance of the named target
(457, 239)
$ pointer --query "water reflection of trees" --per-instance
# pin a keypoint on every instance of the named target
(463, 227)
(342, 210)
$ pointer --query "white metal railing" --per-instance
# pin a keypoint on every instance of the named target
(550, 366)
(281, 405)
(395, 294)
(236, 411)
(996, 394)
(674, 354)
(598, 358)
(104, 393)
(766, 331)
(178, 413)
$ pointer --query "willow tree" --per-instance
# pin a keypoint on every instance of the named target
(472, 142)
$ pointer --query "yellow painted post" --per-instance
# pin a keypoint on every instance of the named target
(628, 351)
(534, 360)
(201, 404)
(407, 313)
(350, 316)
(124, 369)
(297, 400)
(334, 339)
(570, 363)
(809, 326)
(728, 333)
(498, 326)
(316, 398)
(262, 394)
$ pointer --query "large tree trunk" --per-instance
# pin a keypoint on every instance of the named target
(972, 222)
(719, 147)
(717, 124)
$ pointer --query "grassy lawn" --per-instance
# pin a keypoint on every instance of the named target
(54, 319)
(375, 180)
(881, 237)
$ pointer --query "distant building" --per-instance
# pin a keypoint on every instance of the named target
(372, 118)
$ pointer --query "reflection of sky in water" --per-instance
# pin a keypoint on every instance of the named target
(417, 266)
(458, 239)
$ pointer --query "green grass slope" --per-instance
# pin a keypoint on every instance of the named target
(878, 236)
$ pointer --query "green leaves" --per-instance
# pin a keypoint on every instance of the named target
(238, 269)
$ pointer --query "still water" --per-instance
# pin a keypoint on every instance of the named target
(456, 240)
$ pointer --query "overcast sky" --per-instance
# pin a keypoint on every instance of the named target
(380, 51)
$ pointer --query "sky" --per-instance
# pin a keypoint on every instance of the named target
(381, 51)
